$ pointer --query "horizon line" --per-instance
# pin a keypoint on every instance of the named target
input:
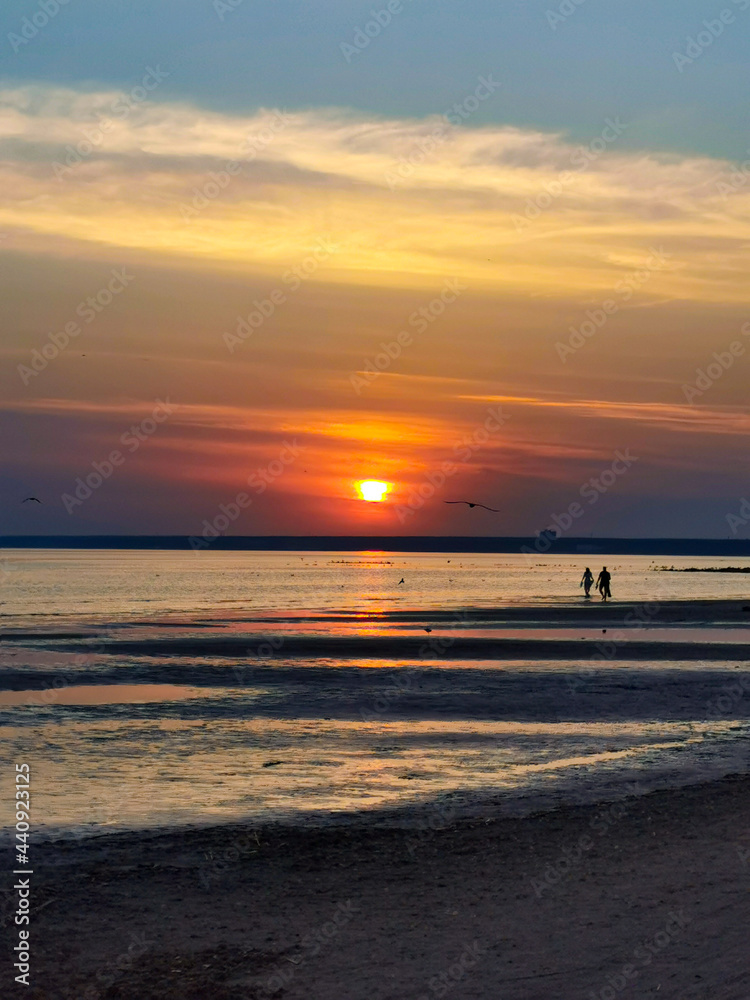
(535, 545)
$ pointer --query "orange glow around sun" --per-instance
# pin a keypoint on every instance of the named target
(372, 490)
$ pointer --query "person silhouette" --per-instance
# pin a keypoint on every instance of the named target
(587, 581)
(603, 582)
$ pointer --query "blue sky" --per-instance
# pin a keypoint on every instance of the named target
(609, 57)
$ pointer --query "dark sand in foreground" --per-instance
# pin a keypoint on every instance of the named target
(643, 898)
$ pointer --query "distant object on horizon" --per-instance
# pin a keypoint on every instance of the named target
(455, 545)
(470, 504)
(701, 569)
(30, 499)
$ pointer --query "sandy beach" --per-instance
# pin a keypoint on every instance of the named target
(643, 897)
(519, 819)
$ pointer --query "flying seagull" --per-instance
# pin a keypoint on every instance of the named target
(400, 582)
(28, 499)
(473, 505)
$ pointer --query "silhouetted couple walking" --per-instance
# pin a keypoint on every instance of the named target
(602, 583)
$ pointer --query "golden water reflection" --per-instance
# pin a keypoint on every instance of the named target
(101, 694)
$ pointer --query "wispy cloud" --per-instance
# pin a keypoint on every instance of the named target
(323, 174)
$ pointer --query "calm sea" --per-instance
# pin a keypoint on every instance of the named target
(129, 720)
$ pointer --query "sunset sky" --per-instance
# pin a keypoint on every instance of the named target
(220, 212)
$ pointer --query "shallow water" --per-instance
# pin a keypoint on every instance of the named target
(102, 585)
(117, 739)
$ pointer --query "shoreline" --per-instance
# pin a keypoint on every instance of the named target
(506, 806)
(552, 904)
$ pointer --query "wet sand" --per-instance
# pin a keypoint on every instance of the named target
(647, 897)
(617, 632)
(621, 647)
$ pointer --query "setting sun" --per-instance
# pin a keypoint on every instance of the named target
(372, 490)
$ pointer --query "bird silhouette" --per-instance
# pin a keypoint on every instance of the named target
(400, 582)
(28, 499)
(469, 504)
